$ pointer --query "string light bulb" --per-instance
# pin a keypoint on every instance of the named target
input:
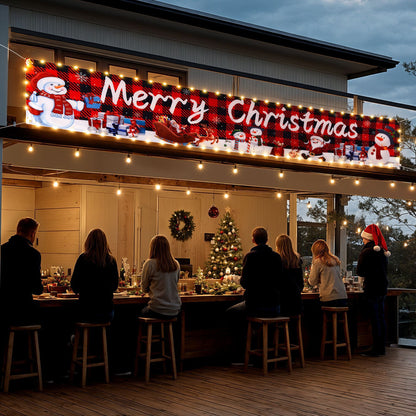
(345, 222)
(309, 205)
(188, 192)
(281, 174)
(235, 169)
(77, 153)
(412, 186)
(158, 187)
(200, 165)
(357, 181)
(30, 148)
(119, 192)
(278, 194)
(226, 195)
(392, 184)
(55, 183)
(332, 180)
(128, 159)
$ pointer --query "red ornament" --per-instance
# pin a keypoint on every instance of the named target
(213, 212)
(224, 248)
(221, 232)
(235, 248)
(235, 258)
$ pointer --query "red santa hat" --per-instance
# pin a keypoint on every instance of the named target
(39, 81)
(373, 233)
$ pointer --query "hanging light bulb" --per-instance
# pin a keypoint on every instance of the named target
(55, 183)
(278, 194)
(392, 184)
(358, 230)
(357, 181)
(200, 165)
(30, 148)
(332, 180)
(281, 174)
(119, 192)
(309, 205)
(188, 192)
(235, 169)
(226, 195)
(76, 153)
(405, 244)
(345, 222)
(158, 187)
(412, 186)
(128, 158)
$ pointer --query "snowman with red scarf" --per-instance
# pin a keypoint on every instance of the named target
(380, 151)
(48, 104)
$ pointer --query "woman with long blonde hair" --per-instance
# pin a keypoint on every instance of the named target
(160, 278)
(292, 281)
(95, 278)
(325, 272)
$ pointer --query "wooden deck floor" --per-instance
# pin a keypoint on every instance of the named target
(363, 386)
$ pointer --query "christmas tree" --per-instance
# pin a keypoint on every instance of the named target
(226, 253)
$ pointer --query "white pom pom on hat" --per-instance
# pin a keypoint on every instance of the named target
(373, 233)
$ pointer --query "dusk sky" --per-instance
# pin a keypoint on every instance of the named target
(377, 26)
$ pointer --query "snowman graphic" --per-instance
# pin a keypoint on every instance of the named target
(380, 152)
(48, 104)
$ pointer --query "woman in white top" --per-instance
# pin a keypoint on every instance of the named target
(325, 272)
(160, 278)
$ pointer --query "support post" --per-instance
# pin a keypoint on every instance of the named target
(293, 220)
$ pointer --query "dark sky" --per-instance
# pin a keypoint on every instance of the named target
(377, 26)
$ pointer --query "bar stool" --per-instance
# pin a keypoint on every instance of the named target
(297, 319)
(32, 340)
(150, 338)
(84, 360)
(334, 311)
(263, 352)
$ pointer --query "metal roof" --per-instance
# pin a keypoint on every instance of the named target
(249, 31)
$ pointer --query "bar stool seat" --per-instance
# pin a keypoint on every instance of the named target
(32, 341)
(338, 314)
(297, 320)
(152, 356)
(263, 352)
(84, 361)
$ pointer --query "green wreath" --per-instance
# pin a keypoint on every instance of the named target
(184, 233)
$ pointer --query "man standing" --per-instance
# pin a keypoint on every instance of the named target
(20, 275)
(372, 266)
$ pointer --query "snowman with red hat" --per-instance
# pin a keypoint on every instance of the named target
(381, 150)
(48, 105)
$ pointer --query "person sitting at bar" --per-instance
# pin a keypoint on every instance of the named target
(160, 278)
(292, 281)
(95, 278)
(325, 272)
(20, 275)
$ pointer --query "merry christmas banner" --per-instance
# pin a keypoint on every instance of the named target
(69, 98)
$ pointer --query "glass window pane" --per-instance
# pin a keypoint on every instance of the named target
(80, 63)
(161, 78)
(119, 70)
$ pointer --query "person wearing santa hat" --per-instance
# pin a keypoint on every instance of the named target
(372, 266)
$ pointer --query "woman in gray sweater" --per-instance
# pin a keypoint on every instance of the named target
(325, 272)
(160, 278)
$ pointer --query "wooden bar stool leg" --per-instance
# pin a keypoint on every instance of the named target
(162, 342)
(276, 343)
(30, 341)
(105, 355)
(334, 334)
(172, 351)
(289, 352)
(265, 348)
(347, 336)
(84, 357)
(38, 364)
(8, 362)
(138, 349)
(74, 355)
(248, 346)
(300, 340)
(148, 352)
(323, 341)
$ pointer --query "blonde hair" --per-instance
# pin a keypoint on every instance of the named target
(160, 250)
(320, 251)
(96, 247)
(290, 259)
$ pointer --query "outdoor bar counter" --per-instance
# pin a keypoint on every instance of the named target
(202, 330)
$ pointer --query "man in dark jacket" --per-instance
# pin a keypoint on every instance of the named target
(262, 279)
(372, 266)
(20, 275)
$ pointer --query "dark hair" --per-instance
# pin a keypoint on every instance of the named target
(160, 250)
(290, 259)
(96, 247)
(260, 235)
(26, 226)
